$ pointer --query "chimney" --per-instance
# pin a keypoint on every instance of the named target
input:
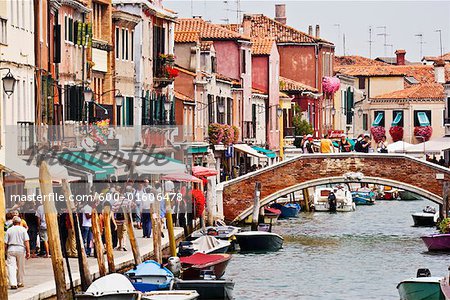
(247, 25)
(280, 13)
(317, 31)
(439, 71)
(400, 57)
(310, 30)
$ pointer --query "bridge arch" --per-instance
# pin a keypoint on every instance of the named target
(235, 197)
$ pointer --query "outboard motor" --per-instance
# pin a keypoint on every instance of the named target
(185, 248)
(174, 265)
(423, 273)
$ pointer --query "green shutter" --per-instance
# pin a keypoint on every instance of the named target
(423, 119)
(79, 33)
(89, 32)
(378, 119)
(398, 118)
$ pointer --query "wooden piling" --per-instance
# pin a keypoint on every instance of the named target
(108, 239)
(98, 243)
(132, 238)
(306, 199)
(256, 206)
(51, 220)
(83, 266)
(156, 228)
(172, 242)
(3, 272)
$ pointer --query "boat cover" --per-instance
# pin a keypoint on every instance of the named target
(206, 242)
(111, 283)
(150, 268)
(203, 259)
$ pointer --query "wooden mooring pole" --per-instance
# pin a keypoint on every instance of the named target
(306, 199)
(83, 266)
(108, 239)
(172, 242)
(256, 206)
(45, 181)
(98, 243)
(156, 228)
(3, 272)
(131, 236)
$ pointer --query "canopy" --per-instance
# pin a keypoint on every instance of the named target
(423, 119)
(398, 146)
(157, 165)
(74, 160)
(248, 150)
(431, 147)
(182, 178)
(378, 119)
(398, 118)
(268, 153)
(202, 171)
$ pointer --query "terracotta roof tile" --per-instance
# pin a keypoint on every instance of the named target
(446, 57)
(187, 36)
(262, 26)
(420, 91)
(357, 70)
(207, 30)
(232, 27)
(424, 74)
(182, 97)
(205, 45)
(223, 77)
(256, 91)
(185, 71)
(288, 85)
(262, 46)
(350, 60)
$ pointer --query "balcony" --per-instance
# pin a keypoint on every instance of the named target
(164, 72)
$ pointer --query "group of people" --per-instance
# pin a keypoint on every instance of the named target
(362, 144)
(26, 228)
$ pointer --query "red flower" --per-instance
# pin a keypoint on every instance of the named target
(396, 133)
(377, 132)
(424, 131)
(172, 72)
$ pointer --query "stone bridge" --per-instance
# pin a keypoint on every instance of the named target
(235, 197)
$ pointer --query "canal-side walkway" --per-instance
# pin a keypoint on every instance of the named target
(39, 282)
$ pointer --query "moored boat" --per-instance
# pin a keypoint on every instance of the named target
(344, 201)
(208, 289)
(198, 264)
(271, 214)
(259, 241)
(421, 288)
(110, 287)
(288, 210)
(363, 198)
(445, 287)
(424, 219)
(437, 242)
(150, 276)
(407, 195)
(205, 244)
(171, 295)
(219, 232)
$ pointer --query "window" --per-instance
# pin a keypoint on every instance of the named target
(66, 27)
(132, 46)
(254, 120)
(159, 43)
(397, 118)
(70, 33)
(211, 118)
(326, 64)
(23, 14)
(97, 15)
(229, 111)
(126, 45)
(447, 108)
(117, 42)
(379, 119)
(220, 114)
(128, 112)
(422, 118)
(13, 3)
(243, 61)
(365, 119)
(362, 83)
(349, 106)
(3, 31)
(213, 64)
(123, 43)
(19, 18)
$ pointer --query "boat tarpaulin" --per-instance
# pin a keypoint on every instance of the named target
(203, 259)
(268, 153)
(248, 150)
(398, 146)
(205, 243)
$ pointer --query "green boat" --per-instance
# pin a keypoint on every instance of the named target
(421, 288)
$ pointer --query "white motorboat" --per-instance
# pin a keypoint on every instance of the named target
(344, 200)
(171, 295)
(113, 286)
(205, 244)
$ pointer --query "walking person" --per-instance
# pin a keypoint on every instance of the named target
(145, 213)
(344, 145)
(43, 237)
(308, 147)
(365, 143)
(17, 244)
(86, 228)
(326, 145)
(33, 226)
(358, 144)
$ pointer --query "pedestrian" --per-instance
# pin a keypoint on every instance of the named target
(33, 226)
(43, 237)
(120, 207)
(344, 145)
(86, 228)
(139, 195)
(382, 145)
(434, 160)
(308, 146)
(326, 145)
(441, 161)
(145, 213)
(17, 244)
(365, 143)
(358, 144)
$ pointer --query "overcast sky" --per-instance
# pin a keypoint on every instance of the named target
(403, 20)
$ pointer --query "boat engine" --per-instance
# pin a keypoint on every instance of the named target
(174, 265)
(423, 273)
(185, 248)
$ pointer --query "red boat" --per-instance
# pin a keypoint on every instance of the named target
(197, 264)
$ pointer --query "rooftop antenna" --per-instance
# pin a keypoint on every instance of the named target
(339, 34)
(370, 41)
(227, 9)
(421, 42)
(238, 11)
(390, 46)
(192, 8)
(343, 42)
(384, 34)
(440, 41)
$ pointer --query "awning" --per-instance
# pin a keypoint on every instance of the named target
(182, 178)
(95, 161)
(268, 153)
(378, 119)
(100, 173)
(198, 149)
(431, 147)
(398, 147)
(202, 171)
(248, 150)
(155, 164)
(120, 168)
(423, 119)
(398, 118)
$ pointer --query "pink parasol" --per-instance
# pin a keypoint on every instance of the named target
(182, 178)
(202, 171)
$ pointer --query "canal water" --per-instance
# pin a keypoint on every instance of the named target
(358, 255)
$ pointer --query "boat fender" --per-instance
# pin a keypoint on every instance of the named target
(423, 272)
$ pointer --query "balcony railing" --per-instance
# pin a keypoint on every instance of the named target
(164, 72)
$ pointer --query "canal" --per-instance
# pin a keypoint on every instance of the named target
(357, 255)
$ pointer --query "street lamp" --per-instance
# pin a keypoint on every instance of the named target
(360, 112)
(88, 95)
(119, 99)
(9, 83)
(221, 108)
(279, 112)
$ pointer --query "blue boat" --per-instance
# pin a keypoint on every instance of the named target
(150, 276)
(363, 198)
(288, 210)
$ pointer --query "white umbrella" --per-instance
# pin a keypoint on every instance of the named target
(398, 146)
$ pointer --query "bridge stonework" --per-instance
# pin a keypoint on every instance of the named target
(238, 194)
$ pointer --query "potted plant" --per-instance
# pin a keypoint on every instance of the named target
(423, 131)
(396, 133)
(377, 132)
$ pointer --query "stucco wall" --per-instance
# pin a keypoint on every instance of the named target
(298, 63)
(384, 85)
(183, 55)
(260, 73)
(228, 58)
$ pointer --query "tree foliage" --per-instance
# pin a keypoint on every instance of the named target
(301, 126)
